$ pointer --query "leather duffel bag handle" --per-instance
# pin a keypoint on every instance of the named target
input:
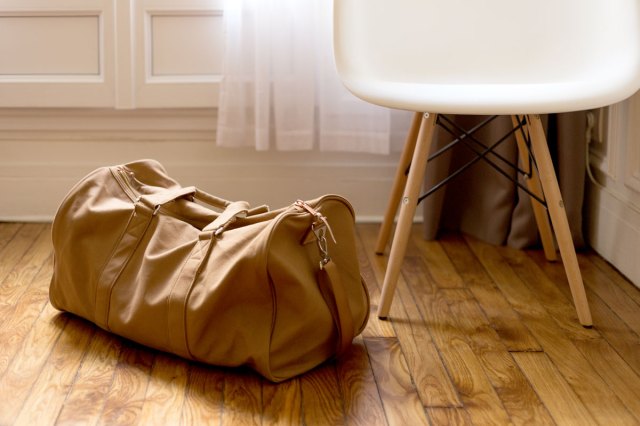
(231, 209)
(221, 203)
(158, 199)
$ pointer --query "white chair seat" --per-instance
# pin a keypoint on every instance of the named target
(490, 56)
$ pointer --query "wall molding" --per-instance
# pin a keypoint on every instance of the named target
(632, 166)
(614, 202)
(46, 151)
(107, 124)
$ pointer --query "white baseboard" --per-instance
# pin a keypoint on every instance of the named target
(614, 232)
(34, 191)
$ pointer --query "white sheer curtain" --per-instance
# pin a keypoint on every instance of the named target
(280, 89)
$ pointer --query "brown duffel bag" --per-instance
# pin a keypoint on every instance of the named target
(145, 258)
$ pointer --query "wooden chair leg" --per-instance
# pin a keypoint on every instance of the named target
(533, 184)
(407, 212)
(399, 182)
(559, 218)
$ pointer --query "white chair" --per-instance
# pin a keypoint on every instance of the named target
(519, 58)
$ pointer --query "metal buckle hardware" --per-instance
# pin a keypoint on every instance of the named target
(319, 228)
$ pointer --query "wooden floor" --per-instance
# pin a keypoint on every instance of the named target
(479, 335)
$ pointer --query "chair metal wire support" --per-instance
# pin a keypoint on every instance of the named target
(469, 135)
(464, 136)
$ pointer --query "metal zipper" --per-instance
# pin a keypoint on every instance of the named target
(122, 177)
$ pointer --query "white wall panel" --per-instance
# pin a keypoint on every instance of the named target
(57, 53)
(168, 32)
(50, 45)
(184, 45)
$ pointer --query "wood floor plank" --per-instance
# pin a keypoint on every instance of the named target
(166, 391)
(49, 392)
(617, 299)
(606, 321)
(518, 397)
(19, 244)
(362, 404)
(616, 333)
(438, 262)
(88, 393)
(601, 285)
(425, 364)
(547, 292)
(204, 399)
(476, 391)
(18, 322)
(20, 375)
(622, 282)
(242, 399)
(480, 399)
(622, 380)
(504, 319)
(517, 394)
(17, 281)
(400, 399)
(583, 378)
(123, 403)
(7, 232)
(449, 416)
(322, 402)
(429, 373)
(615, 371)
(563, 404)
(282, 403)
(523, 299)
(605, 406)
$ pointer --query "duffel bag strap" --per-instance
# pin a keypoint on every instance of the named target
(338, 303)
(329, 280)
(233, 211)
